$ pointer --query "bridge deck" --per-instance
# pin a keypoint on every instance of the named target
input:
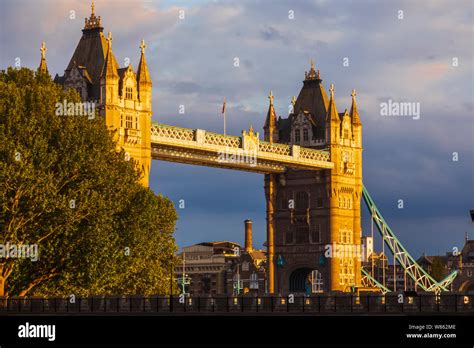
(247, 152)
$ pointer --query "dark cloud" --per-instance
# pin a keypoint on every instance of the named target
(191, 63)
(270, 34)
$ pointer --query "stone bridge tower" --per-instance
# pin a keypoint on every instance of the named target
(122, 95)
(311, 215)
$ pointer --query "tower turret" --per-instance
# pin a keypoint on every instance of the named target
(270, 132)
(109, 79)
(355, 120)
(333, 123)
(144, 80)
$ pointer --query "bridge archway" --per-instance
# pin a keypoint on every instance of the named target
(467, 287)
(307, 280)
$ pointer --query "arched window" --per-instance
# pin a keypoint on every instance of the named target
(302, 200)
(302, 235)
(297, 135)
(128, 93)
(305, 134)
(316, 281)
(129, 122)
(316, 234)
(253, 281)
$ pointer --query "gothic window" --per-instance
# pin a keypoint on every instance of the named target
(245, 266)
(136, 122)
(346, 273)
(128, 93)
(345, 236)
(302, 235)
(121, 120)
(319, 202)
(289, 237)
(316, 234)
(129, 122)
(305, 134)
(253, 281)
(316, 280)
(297, 135)
(302, 200)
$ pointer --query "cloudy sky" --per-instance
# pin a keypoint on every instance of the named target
(423, 54)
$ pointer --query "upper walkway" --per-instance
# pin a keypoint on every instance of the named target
(247, 152)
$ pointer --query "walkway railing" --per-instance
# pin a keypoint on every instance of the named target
(188, 145)
(324, 304)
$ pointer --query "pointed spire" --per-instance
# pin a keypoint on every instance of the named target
(143, 76)
(354, 113)
(332, 110)
(43, 67)
(271, 97)
(271, 119)
(110, 68)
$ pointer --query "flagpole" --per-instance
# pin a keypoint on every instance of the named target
(224, 117)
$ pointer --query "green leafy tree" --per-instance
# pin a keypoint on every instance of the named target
(66, 188)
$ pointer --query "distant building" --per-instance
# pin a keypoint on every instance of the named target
(464, 282)
(206, 265)
(223, 268)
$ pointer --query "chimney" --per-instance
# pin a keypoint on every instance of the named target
(248, 235)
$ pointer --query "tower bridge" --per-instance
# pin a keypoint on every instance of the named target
(311, 161)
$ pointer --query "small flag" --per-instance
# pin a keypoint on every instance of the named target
(223, 107)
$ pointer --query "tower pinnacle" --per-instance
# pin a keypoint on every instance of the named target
(270, 96)
(110, 67)
(312, 74)
(43, 67)
(354, 112)
(109, 39)
(333, 116)
(270, 122)
(293, 101)
(93, 21)
(143, 76)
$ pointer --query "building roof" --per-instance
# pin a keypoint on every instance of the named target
(258, 254)
(313, 97)
(312, 100)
